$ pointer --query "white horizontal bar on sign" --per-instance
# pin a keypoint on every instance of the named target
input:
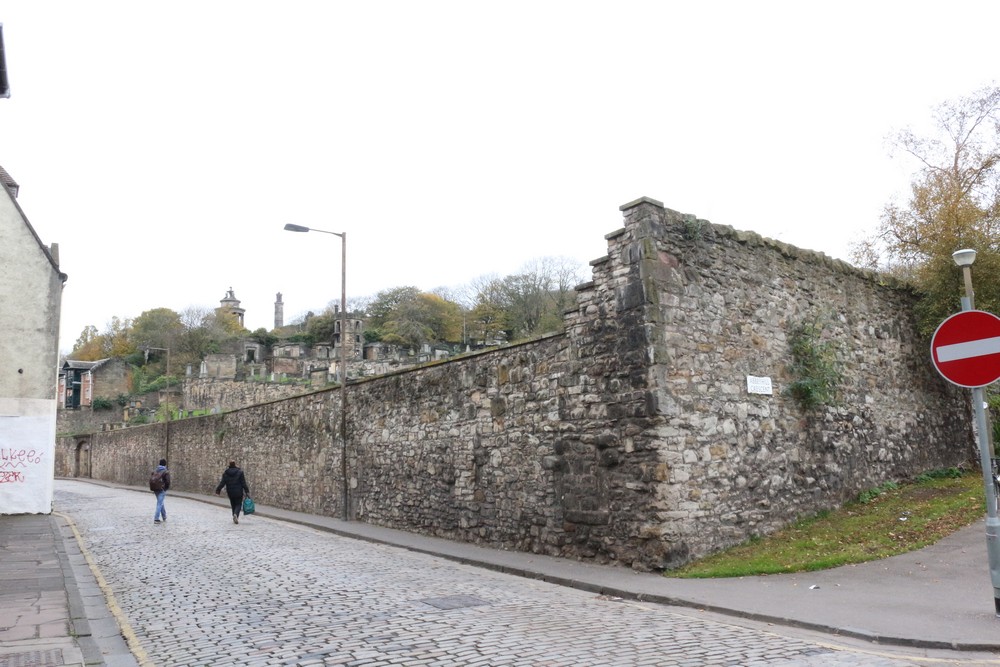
(969, 350)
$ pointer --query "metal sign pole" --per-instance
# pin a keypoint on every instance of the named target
(985, 455)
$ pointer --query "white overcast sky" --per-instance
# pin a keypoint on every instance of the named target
(163, 146)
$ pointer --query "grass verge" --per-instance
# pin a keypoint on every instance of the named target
(889, 520)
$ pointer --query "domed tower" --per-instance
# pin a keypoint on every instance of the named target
(231, 304)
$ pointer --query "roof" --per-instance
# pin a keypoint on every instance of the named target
(12, 193)
(9, 181)
(75, 365)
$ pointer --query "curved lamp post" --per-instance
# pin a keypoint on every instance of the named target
(965, 258)
(345, 514)
(166, 428)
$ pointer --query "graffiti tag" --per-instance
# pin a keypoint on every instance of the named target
(18, 458)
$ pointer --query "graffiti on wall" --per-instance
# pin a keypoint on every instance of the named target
(14, 463)
(26, 458)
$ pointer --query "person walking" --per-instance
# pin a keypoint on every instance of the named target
(159, 483)
(235, 483)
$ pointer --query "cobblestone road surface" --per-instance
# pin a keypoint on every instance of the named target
(199, 590)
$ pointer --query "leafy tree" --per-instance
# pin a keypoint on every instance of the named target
(228, 322)
(89, 346)
(116, 341)
(406, 332)
(381, 308)
(322, 328)
(409, 323)
(200, 335)
(487, 321)
(443, 317)
(408, 317)
(159, 327)
(531, 302)
(262, 336)
(526, 297)
(954, 203)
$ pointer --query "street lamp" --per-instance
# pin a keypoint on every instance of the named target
(965, 258)
(166, 436)
(146, 349)
(344, 497)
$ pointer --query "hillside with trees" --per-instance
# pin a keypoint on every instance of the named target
(490, 310)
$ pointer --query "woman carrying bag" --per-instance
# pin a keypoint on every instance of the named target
(236, 486)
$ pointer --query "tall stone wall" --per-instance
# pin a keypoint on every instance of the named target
(721, 305)
(630, 438)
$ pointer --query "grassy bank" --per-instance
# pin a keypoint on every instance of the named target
(883, 522)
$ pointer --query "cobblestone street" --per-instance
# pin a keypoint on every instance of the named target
(199, 590)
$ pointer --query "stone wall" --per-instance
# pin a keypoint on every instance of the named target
(632, 437)
(86, 420)
(227, 394)
(719, 306)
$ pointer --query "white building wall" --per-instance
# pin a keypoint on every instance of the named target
(30, 299)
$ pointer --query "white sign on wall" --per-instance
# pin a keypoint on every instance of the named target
(759, 385)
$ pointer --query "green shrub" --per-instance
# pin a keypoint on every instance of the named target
(944, 473)
(814, 367)
(693, 228)
(160, 383)
(867, 496)
(101, 403)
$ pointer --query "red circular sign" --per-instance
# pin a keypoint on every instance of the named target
(965, 348)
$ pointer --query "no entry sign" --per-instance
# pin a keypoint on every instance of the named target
(965, 348)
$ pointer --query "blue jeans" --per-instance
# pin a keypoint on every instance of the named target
(160, 511)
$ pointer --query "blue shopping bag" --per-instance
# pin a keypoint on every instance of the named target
(248, 507)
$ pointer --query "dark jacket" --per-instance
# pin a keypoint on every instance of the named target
(235, 482)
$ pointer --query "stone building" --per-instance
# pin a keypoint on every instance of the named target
(80, 382)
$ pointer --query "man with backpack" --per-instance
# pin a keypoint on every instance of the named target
(159, 482)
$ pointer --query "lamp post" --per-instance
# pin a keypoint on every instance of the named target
(166, 429)
(345, 514)
(965, 258)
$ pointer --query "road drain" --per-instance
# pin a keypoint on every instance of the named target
(50, 658)
(455, 602)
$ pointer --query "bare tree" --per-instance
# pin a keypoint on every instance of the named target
(954, 203)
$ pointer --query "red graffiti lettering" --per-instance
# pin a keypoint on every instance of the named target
(19, 458)
(7, 477)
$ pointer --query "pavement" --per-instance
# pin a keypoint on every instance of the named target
(53, 610)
